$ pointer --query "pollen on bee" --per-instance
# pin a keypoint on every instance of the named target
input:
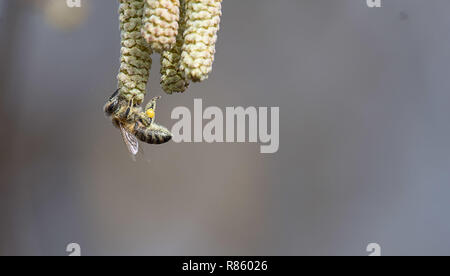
(150, 113)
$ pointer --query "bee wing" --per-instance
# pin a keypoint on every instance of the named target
(130, 141)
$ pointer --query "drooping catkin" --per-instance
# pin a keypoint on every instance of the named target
(160, 23)
(172, 77)
(135, 60)
(200, 36)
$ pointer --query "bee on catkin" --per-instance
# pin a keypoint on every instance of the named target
(160, 23)
(135, 60)
(172, 77)
(135, 124)
(200, 36)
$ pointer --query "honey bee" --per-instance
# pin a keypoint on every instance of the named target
(134, 123)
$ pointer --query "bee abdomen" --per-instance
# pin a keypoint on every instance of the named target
(154, 134)
(157, 137)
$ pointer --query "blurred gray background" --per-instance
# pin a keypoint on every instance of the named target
(364, 135)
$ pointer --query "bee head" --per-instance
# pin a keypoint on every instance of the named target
(111, 106)
(113, 103)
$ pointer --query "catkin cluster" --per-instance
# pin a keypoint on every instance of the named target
(172, 77)
(160, 23)
(200, 36)
(135, 60)
(183, 31)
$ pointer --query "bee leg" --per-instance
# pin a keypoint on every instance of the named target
(143, 121)
(128, 115)
(152, 103)
(150, 109)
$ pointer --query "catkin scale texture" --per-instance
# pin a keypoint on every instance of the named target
(172, 77)
(135, 60)
(200, 36)
(160, 23)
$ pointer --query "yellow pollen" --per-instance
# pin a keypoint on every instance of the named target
(150, 113)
